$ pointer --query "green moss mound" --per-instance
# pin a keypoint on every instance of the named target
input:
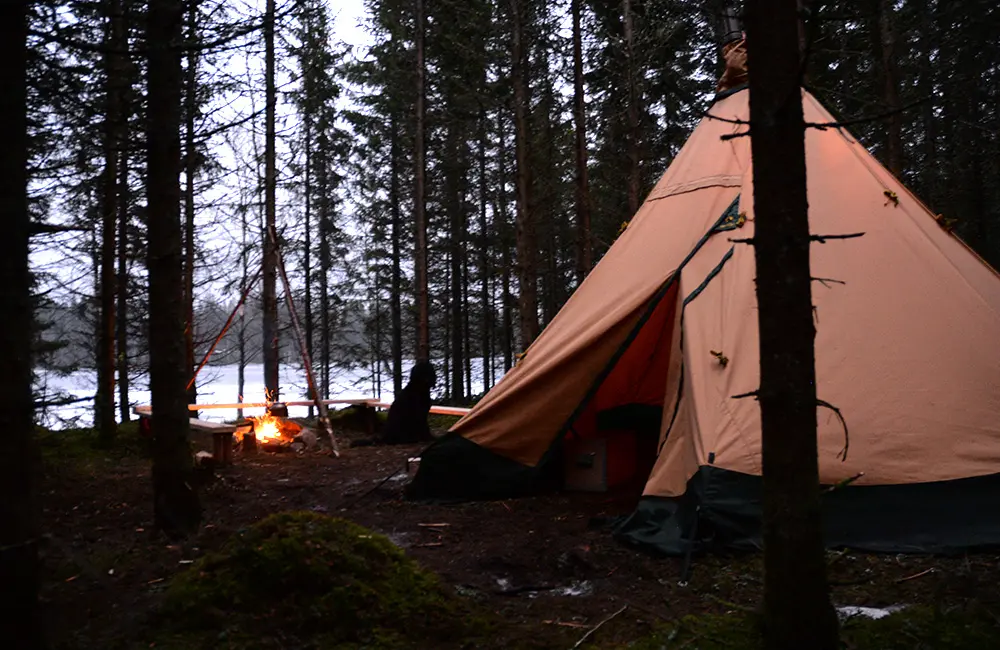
(911, 628)
(321, 580)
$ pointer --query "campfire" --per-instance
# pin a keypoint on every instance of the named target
(273, 429)
(270, 428)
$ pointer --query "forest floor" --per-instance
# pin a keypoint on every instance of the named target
(538, 563)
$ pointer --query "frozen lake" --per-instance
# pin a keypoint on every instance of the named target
(219, 385)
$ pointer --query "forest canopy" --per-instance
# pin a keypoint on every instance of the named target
(541, 127)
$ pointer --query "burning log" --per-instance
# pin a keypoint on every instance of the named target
(276, 446)
(249, 443)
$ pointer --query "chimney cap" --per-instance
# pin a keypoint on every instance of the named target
(732, 26)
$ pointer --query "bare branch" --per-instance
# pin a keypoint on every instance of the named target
(847, 440)
(865, 119)
(826, 281)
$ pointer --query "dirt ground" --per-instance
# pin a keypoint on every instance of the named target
(539, 562)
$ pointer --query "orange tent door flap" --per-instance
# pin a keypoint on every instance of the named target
(626, 409)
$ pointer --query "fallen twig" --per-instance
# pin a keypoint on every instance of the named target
(433, 525)
(513, 591)
(429, 544)
(730, 604)
(917, 575)
(566, 624)
(598, 626)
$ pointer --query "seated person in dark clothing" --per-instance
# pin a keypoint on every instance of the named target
(407, 419)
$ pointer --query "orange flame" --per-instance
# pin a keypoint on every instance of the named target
(267, 428)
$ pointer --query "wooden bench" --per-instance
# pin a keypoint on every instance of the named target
(222, 434)
(437, 410)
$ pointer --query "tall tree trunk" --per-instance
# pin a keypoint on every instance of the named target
(325, 232)
(270, 296)
(419, 207)
(797, 609)
(242, 338)
(890, 85)
(466, 331)
(176, 508)
(395, 299)
(485, 270)
(19, 568)
(121, 322)
(190, 168)
(307, 245)
(376, 344)
(925, 84)
(119, 26)
(446, 343)
(584, 248)
(455, 172)
(633, 108)
(111, 135)
(527, 246)
(505, 262)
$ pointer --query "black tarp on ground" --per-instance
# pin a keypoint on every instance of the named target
(940, 517)
(456, 469)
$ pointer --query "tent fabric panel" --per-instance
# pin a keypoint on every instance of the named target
(531, 404)
(905, 348)
(939, 517)
(969, 266)
(702, 422)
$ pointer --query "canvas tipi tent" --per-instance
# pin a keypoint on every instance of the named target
(664, 329)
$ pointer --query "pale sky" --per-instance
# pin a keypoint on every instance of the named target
(348, 14)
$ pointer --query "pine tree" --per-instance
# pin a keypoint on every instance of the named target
(176, 508)
(19, 567)
(797, 609)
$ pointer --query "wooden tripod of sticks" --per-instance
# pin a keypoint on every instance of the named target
(321, 411)
(300, 340)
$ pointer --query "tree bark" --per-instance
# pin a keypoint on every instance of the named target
(633, 109)
(420, 199)
(190, 167)
(270, 296)
(307, 242)
(395, 299)
(584, 248)
(929, 167)
(485, 270)
(507, 316)
(456, 221)
(325, 232)
(242, 338)
(19, 566)
(122, 285)
(176, 508)
(111, 134)
(527, 247)
(890, 85)
(797, 609)
(466, 330)
(121, 322)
